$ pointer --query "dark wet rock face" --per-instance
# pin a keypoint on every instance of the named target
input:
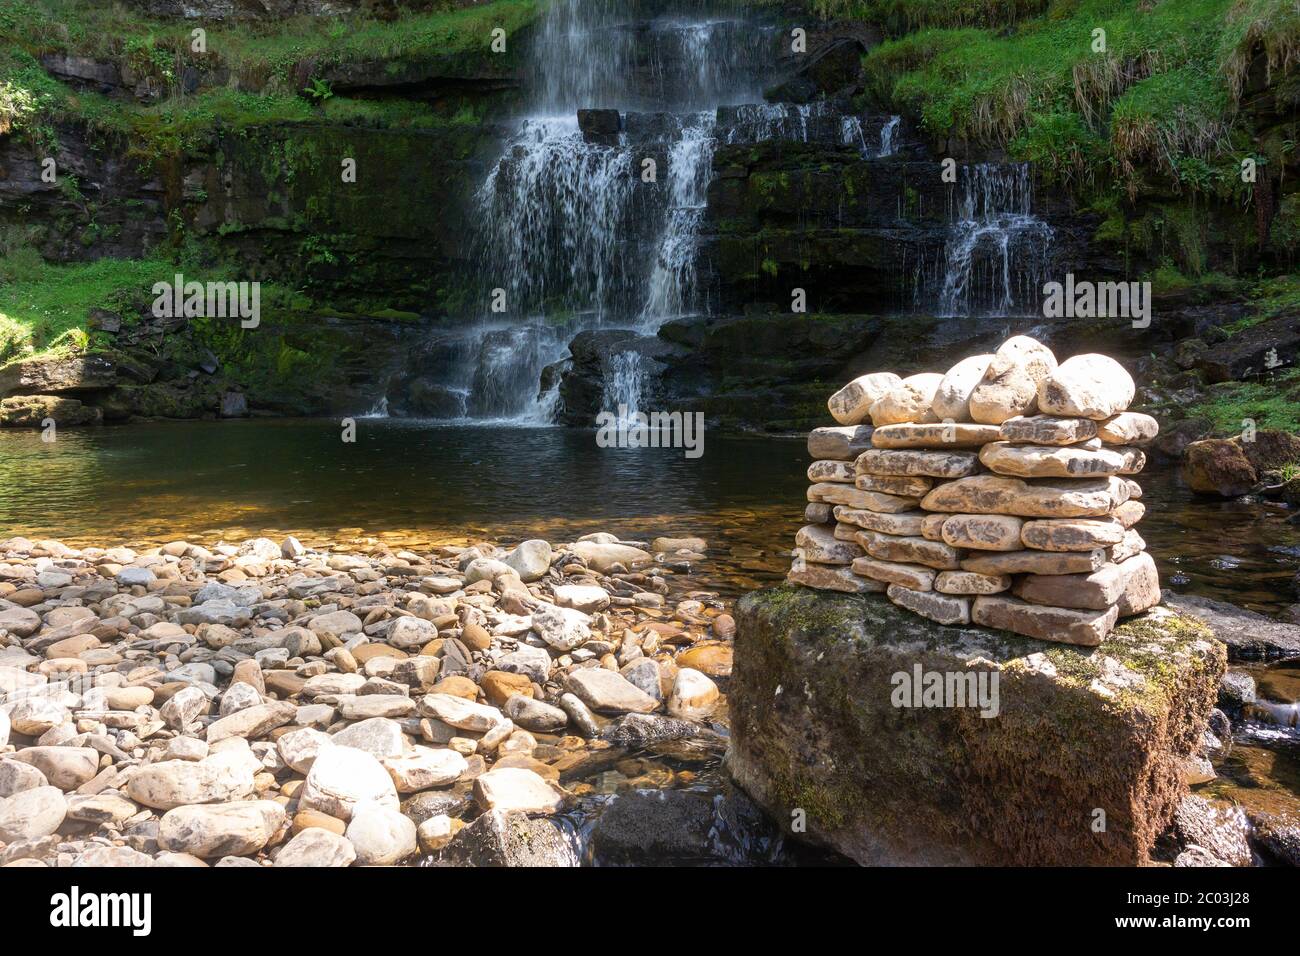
(1248, 635)
(816, 736)
(499, 838)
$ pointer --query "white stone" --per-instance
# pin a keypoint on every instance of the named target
(952, 397)
(515, 788)
(424, 767)
(343, 777)
(381, 836)
(1087, 386)
(317, 847)
(30, 814)
(694, 695)
(226, 829)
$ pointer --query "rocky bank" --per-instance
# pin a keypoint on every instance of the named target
(269, 704)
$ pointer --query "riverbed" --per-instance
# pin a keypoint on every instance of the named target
(417, 484)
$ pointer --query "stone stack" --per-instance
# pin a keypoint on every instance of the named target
(998, 494)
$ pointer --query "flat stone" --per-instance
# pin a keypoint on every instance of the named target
(602, 556)
(1063, 625)
(252, 722)
(969, 582)
(561, 627)
(1041, 461)
(905, 523)
(582, 597)
(1035, 562)
(608, 692)
(1071, 534)
(368, 706)
(827, 470)
(935, 435)
(932, 554)
(1095, 591)
(514, 788)
(940, 608)
(64, 767)
(820, 546)
(378, 736)
(459, 713)
(983, 532)
(1046, 430)
(841, 443)
(912, 576)
(901, 486)
(935, 464)
(995, 494)
(830, 577)
(535, 715)
(175, 783)
(840, 494)
(424, 767)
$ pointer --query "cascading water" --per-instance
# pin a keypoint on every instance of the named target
(996, 254)
(571, 236)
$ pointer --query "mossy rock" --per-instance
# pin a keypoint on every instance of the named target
(816, 738)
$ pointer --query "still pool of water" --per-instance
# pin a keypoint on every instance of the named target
(414, 484)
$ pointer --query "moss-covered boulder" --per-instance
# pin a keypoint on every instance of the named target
(1081, 764)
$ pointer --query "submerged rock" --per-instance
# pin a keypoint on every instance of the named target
(500, 838)
(820, 732)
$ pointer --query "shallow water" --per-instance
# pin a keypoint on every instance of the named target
(413, 484)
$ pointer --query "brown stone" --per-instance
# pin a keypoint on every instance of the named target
(934, 435)
(995, 494)
(941, 608)
(904, 462)
(498, 686)
(912, 576)
(1047, 430)
(969, 582)
(830, 577)
(1071, 534)
(932, 554)
(1035, 562)
(904, 487)
(1062, 625)
(983, 532)
(904, 522)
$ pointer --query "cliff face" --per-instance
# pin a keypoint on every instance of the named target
(1080, 766)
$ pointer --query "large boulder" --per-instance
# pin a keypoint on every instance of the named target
(815, 728)
(1218, 466)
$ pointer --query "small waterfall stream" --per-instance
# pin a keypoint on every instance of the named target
(573, 237)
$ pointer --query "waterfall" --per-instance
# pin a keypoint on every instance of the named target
(996, 253)
(623, 385)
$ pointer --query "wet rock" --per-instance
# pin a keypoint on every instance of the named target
(655, 827)
(1249, 636)
(694, 696)
(499, 838)
(1221, 830)
(601, 556)
(1236, 690)
(635, 731)
(1220, 467)
(1278, 837)
(1198, 856)
(514, 788)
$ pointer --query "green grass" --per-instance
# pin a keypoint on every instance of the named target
(1270, 405)
(1163, 96)
(45, 306)
(269, 64)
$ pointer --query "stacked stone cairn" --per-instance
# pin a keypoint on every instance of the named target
(999, 493)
